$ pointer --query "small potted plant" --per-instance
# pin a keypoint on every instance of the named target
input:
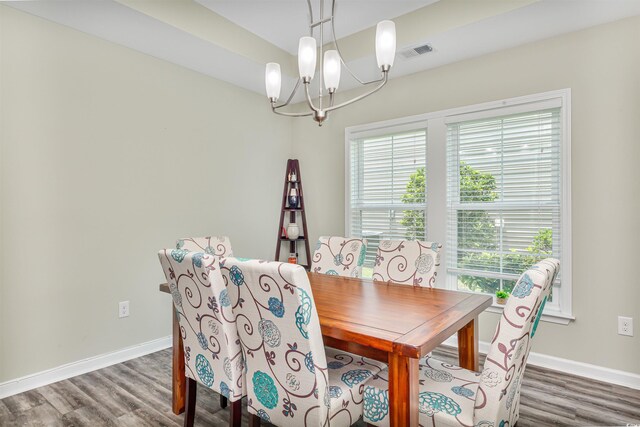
(501, 297)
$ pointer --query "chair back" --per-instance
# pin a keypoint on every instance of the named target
(286, 367)
(219, 246)
(212, 351)
(339, 256)
(498, 395)
(407, 261)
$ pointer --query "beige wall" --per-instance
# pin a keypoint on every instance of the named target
(97, 142)
(108, 155)
(602, 67)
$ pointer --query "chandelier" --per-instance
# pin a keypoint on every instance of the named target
(329, 70)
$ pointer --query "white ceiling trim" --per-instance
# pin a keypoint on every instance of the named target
(119, 24)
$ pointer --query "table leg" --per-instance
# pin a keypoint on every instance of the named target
(468, 346)
(179, 389)
(403, 390)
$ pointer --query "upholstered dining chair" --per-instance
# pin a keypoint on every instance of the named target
(212, 352)
(453, 396)
(292, 380)
(411, 262)
(339, 256)
(214, 245)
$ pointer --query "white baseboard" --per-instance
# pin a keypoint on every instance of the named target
(581, 369)
(50, 376)
(29, 382)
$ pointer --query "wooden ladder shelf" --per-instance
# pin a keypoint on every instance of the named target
(293, 180)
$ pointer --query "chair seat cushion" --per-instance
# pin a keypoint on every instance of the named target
(446, 397)
(348, 374)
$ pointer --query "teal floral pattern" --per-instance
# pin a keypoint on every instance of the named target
(538, 316)
(335, 392)
(337, 260)
(308, 362)
(197, 259)
(431, 402)
(263, 415)
(178, 254)
(339, 256)
(218, 246)
(450, 395)
(203, 368)
(462, 391)
(265, 389)
(288, 382)
(224, 298)
(523, 288)
(224, 389)
(376, 404)
(212, 352)
(363, 254)
(303, 313)
(202, 340)
(410, 262)
(236, 276)
(355, 376)
(276, 307)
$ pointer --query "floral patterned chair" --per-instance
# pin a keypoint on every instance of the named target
(291, 379)
(453, 396)
(339, 256)
(407, 261)
(212, 352)
(214, 245)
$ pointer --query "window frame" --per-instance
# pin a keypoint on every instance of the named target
(436, 210)
(375, 132)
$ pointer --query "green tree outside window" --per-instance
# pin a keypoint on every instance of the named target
(476, 230)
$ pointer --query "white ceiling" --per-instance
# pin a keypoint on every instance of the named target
(283, 22)
(118, 23)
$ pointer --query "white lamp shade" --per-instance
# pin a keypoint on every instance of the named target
(273, 80)
(307, 57)
(331, 69)
(385, 43)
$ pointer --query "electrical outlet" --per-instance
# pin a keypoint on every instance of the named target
(625, 326)
(123, 309)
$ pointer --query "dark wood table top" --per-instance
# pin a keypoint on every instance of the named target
(402, 319)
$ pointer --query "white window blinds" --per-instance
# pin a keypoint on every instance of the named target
(387, 188)
(503, 197)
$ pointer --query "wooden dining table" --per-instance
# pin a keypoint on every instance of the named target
(393, 323)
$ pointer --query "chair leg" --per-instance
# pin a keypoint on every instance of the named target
(235, 417)
(254, 420)
(190, 404)
(223, 401)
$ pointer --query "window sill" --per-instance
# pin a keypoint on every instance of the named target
(550, 316)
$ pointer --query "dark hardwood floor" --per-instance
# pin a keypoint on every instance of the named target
(138, 393)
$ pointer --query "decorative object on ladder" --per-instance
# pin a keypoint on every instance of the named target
(293, 204)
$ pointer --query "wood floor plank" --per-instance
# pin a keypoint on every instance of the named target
(91, 415)
(62, 401)
(24, 401)
(114, 399)
(138, 393)
(144, 417)
(43, 415)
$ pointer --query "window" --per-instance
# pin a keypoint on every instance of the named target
(387, 191)
(503, 197)
(497, 179)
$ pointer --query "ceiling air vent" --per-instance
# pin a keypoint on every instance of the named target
(414, 51)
